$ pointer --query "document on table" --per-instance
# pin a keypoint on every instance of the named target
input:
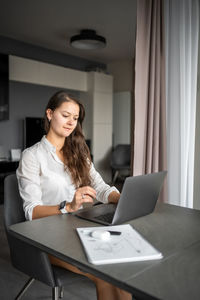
(126, 247)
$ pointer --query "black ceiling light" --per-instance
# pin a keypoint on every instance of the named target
(88, 40)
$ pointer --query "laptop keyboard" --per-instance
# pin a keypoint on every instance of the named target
(106, 218)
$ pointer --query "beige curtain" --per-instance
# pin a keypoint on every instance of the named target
(149, 109)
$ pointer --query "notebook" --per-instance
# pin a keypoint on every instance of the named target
(129, 246)
(138, 198)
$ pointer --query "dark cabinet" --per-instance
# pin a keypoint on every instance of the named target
(6, 167)
(4, 87)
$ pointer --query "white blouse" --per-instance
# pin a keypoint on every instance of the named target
(43, 180)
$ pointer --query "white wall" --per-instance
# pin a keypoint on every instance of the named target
(32, 71)
(122, 72)
(100, 90)
(121, 118)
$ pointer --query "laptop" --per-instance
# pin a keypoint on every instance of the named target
(138, 198)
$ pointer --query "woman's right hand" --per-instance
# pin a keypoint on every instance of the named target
(82, 195)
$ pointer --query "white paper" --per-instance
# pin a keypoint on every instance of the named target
(127, 247)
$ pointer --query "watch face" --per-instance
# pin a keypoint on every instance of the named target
(62, 204)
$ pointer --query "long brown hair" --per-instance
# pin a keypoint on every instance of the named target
(75, 150)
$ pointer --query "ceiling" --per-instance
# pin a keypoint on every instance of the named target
(51, 23)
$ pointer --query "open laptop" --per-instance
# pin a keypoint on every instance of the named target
(138, 198)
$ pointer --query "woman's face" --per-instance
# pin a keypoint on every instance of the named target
(63, 120)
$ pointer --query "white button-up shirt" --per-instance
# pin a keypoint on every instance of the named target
(43, 180)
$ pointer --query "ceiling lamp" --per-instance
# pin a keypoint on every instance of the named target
(88, 40)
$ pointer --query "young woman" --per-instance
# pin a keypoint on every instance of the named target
(57, 176)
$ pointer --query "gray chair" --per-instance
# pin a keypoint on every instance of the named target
(120, 160)
(25, 257)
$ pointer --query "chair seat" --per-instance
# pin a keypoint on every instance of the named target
(62, 277)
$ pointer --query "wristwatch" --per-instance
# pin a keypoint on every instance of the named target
(62, 207)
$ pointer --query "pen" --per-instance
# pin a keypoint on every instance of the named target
(114, 232)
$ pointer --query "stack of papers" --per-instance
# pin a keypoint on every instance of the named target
(126, 247)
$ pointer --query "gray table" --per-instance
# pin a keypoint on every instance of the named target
(173, 230)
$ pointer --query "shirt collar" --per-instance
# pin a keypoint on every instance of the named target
(48, 145)
(51, 149)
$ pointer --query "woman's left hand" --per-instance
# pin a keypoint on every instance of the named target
(113, 197)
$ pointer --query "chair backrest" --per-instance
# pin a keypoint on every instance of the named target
(25, 257)
(121, 155)
(13, 204)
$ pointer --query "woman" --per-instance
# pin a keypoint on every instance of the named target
(57, 176)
